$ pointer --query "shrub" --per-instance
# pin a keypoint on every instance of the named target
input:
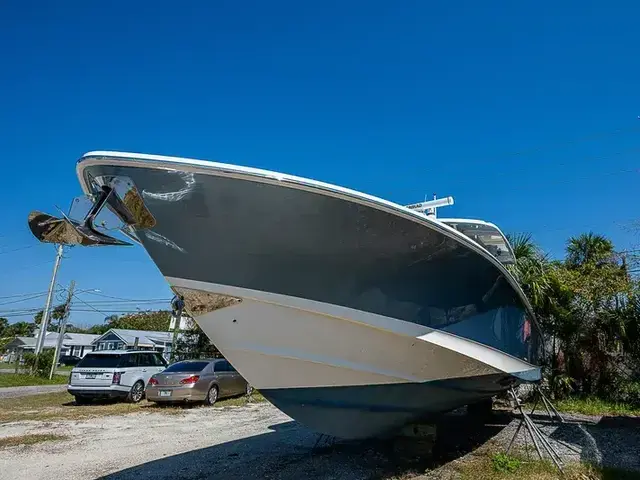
(628, 393)
(561, 386)
(503, 463)
(29, 360)
(40, 365)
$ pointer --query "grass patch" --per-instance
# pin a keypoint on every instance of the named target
(29, 439)
(25, 380)
(596, 406)
(503, 463)
(484, 465)
(61, 406)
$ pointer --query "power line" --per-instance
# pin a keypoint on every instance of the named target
(22, 295)
(128, 299)
(566, 179)
(23, 311)
(13, 271)
(546, 228)
(88, 305)
(111, 312)
(19, 248)
(573, 141)
(24, 299)
(124, 302)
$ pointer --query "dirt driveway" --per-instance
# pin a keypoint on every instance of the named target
(12, 392)
(258, 441)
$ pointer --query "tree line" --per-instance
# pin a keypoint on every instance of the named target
(157, 320)
(588, 307)
(192, 343)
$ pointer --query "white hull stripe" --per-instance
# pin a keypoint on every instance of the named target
(275, 346)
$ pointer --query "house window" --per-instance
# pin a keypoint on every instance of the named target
(120, 346)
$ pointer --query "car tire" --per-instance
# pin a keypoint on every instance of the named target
(212, 395)
(249, 390)
(136, 393)
(82, 400)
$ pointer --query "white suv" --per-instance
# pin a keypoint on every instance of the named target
(114, 374)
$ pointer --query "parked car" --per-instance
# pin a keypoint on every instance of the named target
(196, 381)
(114, 374)
(69, 360)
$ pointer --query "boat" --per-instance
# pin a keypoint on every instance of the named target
(352, 314)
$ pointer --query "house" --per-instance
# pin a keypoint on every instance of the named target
(121, 339)
(16, 347)
(78, 344)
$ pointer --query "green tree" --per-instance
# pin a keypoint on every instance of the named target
(588, 308)
(21, 329)
(57, 313)
(70, 328)
(194, 343)
(4, 325)
(589, 248)
(149, 320)
(98, 329)
(531, 269)
(40, 364)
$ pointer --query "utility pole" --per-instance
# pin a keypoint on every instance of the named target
(61, 328)
(45, 314)
(177, 305)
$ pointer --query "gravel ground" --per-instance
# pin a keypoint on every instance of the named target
(10, 392)
(607, 441)
(258, 441)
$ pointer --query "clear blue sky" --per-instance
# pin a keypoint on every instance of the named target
(525, 112)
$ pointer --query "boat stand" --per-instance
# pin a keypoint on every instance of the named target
(540, 440)
(554, 415)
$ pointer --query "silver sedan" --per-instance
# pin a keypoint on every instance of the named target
(196, 381)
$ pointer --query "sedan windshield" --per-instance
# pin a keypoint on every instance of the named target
(186, 367)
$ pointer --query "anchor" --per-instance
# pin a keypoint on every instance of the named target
(66, 231)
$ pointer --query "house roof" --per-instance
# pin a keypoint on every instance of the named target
(21, 342)
(79, 339)
(28, 341)
(51, 339)
(145, 337)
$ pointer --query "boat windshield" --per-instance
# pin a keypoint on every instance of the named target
(485, 234)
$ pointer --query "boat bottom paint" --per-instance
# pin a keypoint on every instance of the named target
(364, 411)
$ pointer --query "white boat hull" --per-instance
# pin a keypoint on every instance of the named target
(349, 373)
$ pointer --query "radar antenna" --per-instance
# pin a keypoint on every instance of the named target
(429, 207)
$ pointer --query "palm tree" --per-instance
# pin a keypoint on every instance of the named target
(589, 249)
(531, 268)
(523, 246)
